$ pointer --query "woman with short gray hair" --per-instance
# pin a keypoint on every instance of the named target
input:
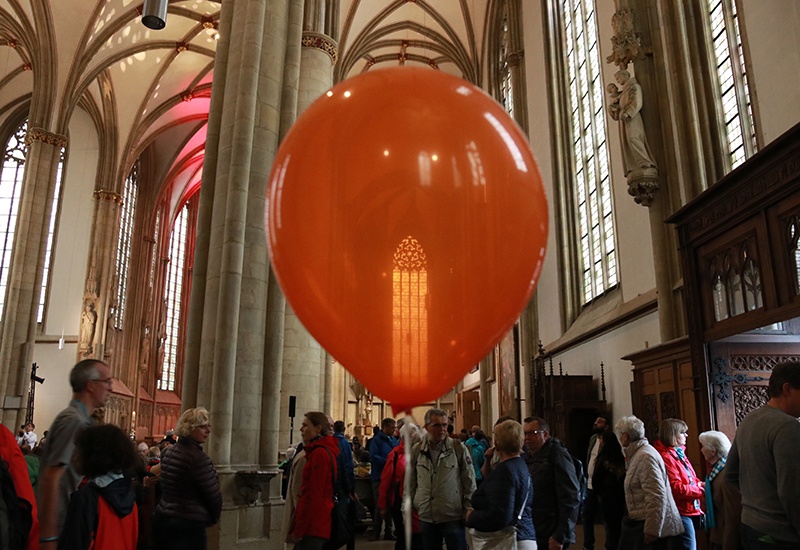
(652, 514)
(723, 501)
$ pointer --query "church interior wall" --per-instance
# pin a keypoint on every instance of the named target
(633, 239)
(64, 304)
(773, 41)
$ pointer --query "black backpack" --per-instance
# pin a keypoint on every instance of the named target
(342, 529)
(16, 514)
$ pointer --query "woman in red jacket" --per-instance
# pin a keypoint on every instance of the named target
(392, 487)
(687, 489)
(311, 528)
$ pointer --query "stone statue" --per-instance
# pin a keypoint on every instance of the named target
(625, 104)
(88, 323)
(144, 362)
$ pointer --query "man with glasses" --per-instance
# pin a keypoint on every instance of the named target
(441, 484)
(91, 384)
(555, 486)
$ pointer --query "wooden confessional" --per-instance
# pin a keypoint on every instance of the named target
(740, 250)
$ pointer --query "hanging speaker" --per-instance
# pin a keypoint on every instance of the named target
(154, 14)
(292, 405)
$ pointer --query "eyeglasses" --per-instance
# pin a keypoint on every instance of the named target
(107, 381)
(535, 432)
(440, 426)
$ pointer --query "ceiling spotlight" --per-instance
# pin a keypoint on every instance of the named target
(154, 14)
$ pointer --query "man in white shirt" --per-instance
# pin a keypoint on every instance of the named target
(29, 437)
(590, 503)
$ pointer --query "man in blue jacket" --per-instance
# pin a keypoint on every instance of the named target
(380, 445)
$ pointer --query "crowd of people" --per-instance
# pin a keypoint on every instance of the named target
(88, 486)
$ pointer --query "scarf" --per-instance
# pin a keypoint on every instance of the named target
(692, 480)
(718, 466)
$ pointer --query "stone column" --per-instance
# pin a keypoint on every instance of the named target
(27, 269)
(100, 290)
(227, 352)
(302, 354)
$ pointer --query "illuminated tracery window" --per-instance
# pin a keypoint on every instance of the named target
(11, 176)
(506, 85)
(410, 312)
(124, 240)
(10, 192)
(733, 80)
(590, 152)
(172, 298)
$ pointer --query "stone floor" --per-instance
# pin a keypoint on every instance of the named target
(363, 543)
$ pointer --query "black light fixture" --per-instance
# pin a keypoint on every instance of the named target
(154, 14)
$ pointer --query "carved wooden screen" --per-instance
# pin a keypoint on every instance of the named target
(739, 373)
(740, 245)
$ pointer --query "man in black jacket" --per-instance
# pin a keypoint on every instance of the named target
(555, 486)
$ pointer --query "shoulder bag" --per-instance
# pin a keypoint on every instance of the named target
(504, 539)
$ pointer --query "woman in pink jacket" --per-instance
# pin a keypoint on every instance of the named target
(687, 489)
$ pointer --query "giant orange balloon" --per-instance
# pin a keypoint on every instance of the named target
(407, 226)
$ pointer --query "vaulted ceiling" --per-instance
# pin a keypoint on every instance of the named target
(150, 89)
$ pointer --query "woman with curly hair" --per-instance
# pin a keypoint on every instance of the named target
(191, 499)
(102, 514)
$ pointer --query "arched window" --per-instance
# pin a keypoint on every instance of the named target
(129, 194)
(173, 293)
(506, 84)
(728, 51)
(592, 184)
(410, 313)
(51, 232)
(10, 192)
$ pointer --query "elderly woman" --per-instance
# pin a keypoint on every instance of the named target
(309, 524)
(687, 490)
(190, 494)
(507, 491)
(723, 501)
(652, 514)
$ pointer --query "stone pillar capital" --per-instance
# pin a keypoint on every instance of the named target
(39, 134)
(323, 43)
(104, 195)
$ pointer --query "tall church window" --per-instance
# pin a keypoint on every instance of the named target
(172, 299)
(129, 194)
(506, 85)
(51, 233)
(410, 313)
(10, 192)
(592, 182)
(728, 52)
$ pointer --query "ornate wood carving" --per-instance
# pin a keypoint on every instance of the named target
(650, 416)
(748, 398)
(668, 409)
(758, 363)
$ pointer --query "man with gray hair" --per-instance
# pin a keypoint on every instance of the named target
(556, 487)
(652, 517)
(91, 384)
(762, 463)
(441, 483)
